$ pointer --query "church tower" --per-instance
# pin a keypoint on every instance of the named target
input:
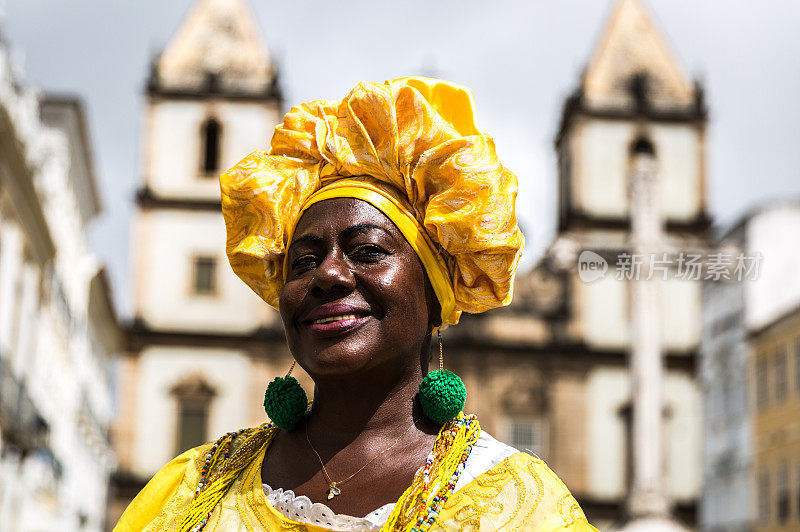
(202, 345)
(633, 90)
(634, 110)
(552, 372)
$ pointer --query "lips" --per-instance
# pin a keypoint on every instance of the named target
(335, 318)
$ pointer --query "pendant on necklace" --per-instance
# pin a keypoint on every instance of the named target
(333, 491)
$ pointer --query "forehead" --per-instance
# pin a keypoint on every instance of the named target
(340, 213)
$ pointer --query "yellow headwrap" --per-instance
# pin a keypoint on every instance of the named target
(411, 148)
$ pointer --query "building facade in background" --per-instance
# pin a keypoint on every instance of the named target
(776, 423)
(548, 374)
(58, 329)
(727, 502)
(554, 365)
(202, 344)
(751, 379)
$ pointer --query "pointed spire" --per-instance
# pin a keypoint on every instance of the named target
(218, 43)
(634, 61)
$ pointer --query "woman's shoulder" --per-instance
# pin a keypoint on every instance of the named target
(168, 487)
(520, 483)
(173, 487)
(489, 454)
(486, 453)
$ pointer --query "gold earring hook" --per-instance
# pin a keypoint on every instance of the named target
(291, 368)
(441, 353)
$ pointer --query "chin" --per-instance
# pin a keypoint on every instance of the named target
(337, 359)
(337, 354)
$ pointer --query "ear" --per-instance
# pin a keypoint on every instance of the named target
(434, 307)
(436, 313)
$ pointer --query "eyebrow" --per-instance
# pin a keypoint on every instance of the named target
(350, 231)
(311, 239)
(353, 229)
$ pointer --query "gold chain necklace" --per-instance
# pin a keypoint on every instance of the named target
(333, 487)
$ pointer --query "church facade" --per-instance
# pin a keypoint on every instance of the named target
(551, 371)
(548, 374)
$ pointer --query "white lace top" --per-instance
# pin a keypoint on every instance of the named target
(486, 453)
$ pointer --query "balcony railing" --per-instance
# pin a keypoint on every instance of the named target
(20, 422)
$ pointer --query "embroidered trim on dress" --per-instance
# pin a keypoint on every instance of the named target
(486, 453)
(300, 508)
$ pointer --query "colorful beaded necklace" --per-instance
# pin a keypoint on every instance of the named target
(415, 511)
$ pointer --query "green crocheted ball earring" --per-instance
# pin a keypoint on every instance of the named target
(442, 393)
(285, 401)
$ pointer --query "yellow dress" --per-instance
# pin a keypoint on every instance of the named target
(519, 493)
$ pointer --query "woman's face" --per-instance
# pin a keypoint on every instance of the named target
(356, 295)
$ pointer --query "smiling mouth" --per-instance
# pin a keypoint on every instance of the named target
(333, 319)
(339, 324)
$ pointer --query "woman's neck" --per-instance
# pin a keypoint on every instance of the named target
(355, 419)
(375, 403)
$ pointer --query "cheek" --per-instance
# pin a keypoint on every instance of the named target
(404, 287)
(289, 300)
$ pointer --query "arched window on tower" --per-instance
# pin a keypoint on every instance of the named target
(642, 146)
(211, 133)
(194, 396)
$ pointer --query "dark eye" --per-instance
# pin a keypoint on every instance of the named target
(303, 262)
(368, 253)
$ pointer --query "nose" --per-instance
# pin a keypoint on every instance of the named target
(332, 274)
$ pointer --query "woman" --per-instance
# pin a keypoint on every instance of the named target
(372, 223)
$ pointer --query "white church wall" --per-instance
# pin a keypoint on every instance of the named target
(681, 314)
(608, 392)
(227, 371)
(605, 313)
(172, 164)
(169, 241)
(684, 426)
(601, 180)
(174, 128)
(678, 151)
(246, 127)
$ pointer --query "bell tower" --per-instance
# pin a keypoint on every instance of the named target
(212, 98)
(633, 97)
(633, 90)
(202, 344)
(631, 215)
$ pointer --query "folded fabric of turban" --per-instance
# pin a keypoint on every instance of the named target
(411, 148)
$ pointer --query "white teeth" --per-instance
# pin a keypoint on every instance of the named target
(334, 318)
